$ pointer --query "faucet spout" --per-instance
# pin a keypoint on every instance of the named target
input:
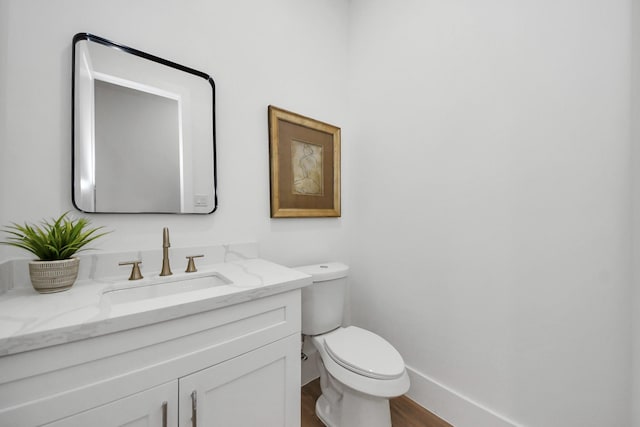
(166, 268)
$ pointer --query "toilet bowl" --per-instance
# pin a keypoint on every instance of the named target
(359, 370)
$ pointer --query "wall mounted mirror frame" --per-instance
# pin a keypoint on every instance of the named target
(143, 132)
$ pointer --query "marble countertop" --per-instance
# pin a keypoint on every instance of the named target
(29, 320)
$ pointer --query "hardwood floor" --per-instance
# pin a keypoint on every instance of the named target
(404, 411)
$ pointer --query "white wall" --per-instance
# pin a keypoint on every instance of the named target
(283, 52)
(635, 138)
(485, 159)
(4, 177)
(493, 237)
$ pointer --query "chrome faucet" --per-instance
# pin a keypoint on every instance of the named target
(166, 269)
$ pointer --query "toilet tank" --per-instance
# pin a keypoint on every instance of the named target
(323, 300)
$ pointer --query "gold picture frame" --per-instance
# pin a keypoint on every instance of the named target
(305, 166)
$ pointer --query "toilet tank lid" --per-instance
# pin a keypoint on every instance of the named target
(325, 271)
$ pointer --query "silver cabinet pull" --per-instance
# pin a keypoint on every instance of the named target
(164, 414)
(194, 409)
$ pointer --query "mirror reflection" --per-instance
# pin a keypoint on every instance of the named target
(143, 132)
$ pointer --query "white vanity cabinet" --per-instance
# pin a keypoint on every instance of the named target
(237, 365)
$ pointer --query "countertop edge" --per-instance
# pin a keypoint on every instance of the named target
(12, 344)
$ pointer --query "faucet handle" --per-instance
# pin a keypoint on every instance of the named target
(135, 271)
(191, 265)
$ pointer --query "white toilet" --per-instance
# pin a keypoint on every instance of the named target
(359, 370)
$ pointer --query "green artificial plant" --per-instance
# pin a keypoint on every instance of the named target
(53, 240)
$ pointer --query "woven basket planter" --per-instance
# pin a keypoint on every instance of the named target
(53, 276)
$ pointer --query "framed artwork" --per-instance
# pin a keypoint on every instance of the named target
(305, 166)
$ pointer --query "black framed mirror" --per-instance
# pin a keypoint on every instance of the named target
(143, 132)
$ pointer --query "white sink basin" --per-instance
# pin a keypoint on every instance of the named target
(164, 287)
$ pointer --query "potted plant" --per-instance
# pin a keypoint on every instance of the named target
(54, 243)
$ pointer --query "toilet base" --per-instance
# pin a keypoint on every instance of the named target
(322, 411)
(354, 409)
(364, 402)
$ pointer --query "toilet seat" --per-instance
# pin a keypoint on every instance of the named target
(353, 380)
(364, 353)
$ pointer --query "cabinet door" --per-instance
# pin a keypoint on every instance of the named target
(257, 389)
(157, 407)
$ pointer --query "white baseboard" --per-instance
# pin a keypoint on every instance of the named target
(451, 406)
(447, 404)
